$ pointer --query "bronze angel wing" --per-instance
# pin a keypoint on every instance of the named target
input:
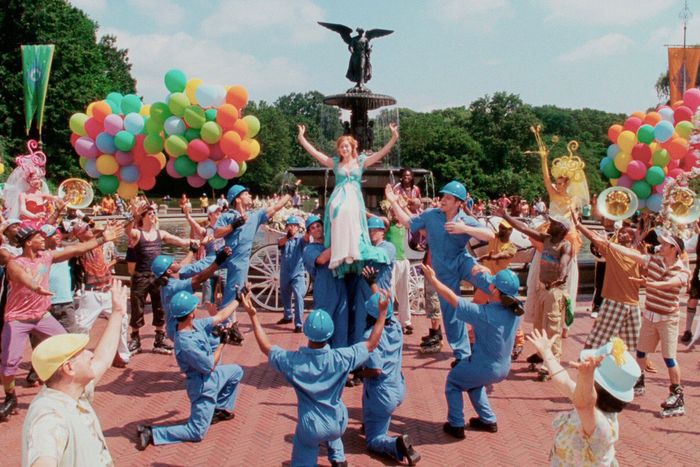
(374, 33)
(344, 31)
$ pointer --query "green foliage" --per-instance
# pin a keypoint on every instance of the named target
(83, 70)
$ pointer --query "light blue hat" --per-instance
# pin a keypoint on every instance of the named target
(234, 192)
(372, 306)
(318, 326)
(182, 304)
(161, 264)
(311, 219)
(455, 189)
(618, 380)
(375, 223)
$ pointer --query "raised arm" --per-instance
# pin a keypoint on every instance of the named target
(323, 159)
(108, 235)
(260, 336)
(379, 155)
(174, 240)
(585, 395)
(401, 215)
(198, 230)
(107, 347)
(376, 333)
(272, 210)
(442, 290)
(545, 175)
(560, 377)
(597, 240)
(520, 226)
(221, 257)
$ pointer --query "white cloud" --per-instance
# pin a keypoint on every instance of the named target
(606, 46)
(294, 20)
(607, 12)
(170, 14)
(154, 54)
(482, 14)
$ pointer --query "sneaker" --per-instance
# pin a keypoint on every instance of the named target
(534, 358)
(517, 350)
(405, 448)
(145, 437)
(162, 344)
(32, 378)
(594, 314)
(8, 407)
(408, 330)
(686, 337)
(454, 431)
(639, 387)
(476, 424)
(285, 321)
(298, 330)
(221, 415)
(135, 343)
(434, 347)
(430, 341)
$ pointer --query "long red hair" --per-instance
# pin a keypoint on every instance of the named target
(349, 139)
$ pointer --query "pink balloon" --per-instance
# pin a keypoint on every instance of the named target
(113, 124)
(196, 181)
(660, 187)
(632, 124)
(227, 168)
(675, 172)
(93, 127)
(636, 170)
(624, 181)
(85, 147)
(198, 150)
(682, 114)
(673, 164)
(690, 161)
(170, 168)
(124, 158)
(691, 98)
(215, 152)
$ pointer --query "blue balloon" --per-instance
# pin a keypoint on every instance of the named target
(130, 173)
(666, 114)
(605, 161)
(613, 149)
(663, 131)
(206, 169)
(654, 202)
(134, 123)
(91, 168)
(174, 126)
(105, 143)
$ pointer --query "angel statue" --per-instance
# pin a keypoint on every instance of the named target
(359, 68)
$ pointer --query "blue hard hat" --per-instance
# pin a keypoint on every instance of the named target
(161, 264)
(507, 282)
(311, 219)
(375, 223)
(293, 220)
(234, 191)
(182, 304)
(455, 189)
(372, 306)
(318, 326)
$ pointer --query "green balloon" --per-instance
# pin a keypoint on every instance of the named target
(242, 167)
(124, 140)
(153, 126)
(77, 123)
(645, 134)
(217, 183)
(211, 132)
(191, 133)
(153, 144)
(661, 158)
(253, 125)
(175, 80)
(210, 114)
(185, 166)
(610, 171)
(642, 189)
(176, 145)
(160, 112)
(194, 116)
(131, 103)
(178, 102)
(108, 184)
(655, 175)
(115, 106)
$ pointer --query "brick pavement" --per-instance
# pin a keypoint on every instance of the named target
(151, 390)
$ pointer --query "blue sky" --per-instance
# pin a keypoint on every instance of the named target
(602, 54)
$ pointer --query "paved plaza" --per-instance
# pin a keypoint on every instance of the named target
(152, 391)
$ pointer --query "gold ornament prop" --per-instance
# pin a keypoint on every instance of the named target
(617, 203)
(76, 192)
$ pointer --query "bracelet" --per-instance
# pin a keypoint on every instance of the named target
(556, 373)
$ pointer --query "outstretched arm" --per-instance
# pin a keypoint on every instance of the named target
(379, 155)
(109, 235)
(272, 210)
(323, 159)
(520, 226)
(559, 376)
(444, 291)
(260, 336)
(401, 215)
(198, 230)
(107, 347)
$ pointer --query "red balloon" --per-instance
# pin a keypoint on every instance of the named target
(146, 183)
(93, 128)
(138, 148)
(150, 166)
(215, 152)
(73, 138)
(673, 164)
(675, 172)
(641, 152)
(690, 161)
(632, 124)
(198, 150)
(682, 114)
(677, 148)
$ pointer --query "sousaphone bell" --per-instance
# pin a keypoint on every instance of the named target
(684, 205)
(76, 192)
(617, 203)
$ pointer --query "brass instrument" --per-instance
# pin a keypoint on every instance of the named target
(684, 205)
(76, 192)
(617, 203)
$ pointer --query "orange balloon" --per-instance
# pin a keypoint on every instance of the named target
(229, 143)
(226, 116)
(245, 150)
(161, 159)
(639, 115)
(146, 183)
(100, 111)
(614, 131)
(237, 96)
(652, 118)
(128, 190)
(677, 148)
(241, 127)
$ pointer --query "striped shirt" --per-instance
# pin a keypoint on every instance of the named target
(667, 301)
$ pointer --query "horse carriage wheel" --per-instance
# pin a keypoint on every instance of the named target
(416, 288)
(264, 276)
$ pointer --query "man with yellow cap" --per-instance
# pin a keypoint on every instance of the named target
(61, 427)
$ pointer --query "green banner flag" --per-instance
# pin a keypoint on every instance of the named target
(36, 64)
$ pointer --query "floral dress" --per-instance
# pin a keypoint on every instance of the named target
(572, 447)
(345, 223)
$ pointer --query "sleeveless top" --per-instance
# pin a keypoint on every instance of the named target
(146, 251)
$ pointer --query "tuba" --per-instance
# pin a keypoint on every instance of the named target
(617, 203)
(76, 192)
(684, 205)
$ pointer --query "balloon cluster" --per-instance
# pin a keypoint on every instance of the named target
(652, 148)
(110, 139)
(202, 129)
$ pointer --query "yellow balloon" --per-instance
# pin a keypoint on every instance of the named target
(255, 149)
(626, 141)
(654, 146)
(2, 169)
(145, 110)
(161, 159)
(613, 181)
(88, 111)
(107, 164)
(191, 89)
(128, 190)
(622, 160)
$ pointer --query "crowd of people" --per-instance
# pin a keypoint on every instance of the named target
(360, 314)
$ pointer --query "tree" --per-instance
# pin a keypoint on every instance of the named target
(83, 70)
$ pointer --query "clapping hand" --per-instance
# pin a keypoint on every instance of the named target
(542, 343)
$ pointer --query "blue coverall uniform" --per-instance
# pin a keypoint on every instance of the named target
(318, 378)
(241, 243)
(329, 293)
(384, 393)
(292, 283)
(208, 387)
(445, 250)
(184, 283)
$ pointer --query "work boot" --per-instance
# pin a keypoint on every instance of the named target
(477, 424)
(8, 407)
(408, 330)
(454, 431)
(686, 337)
(432, 346)
(221, 415)
(145, 434)
(405, 447)
(162, 344)
(135, 343)
(285, 321)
